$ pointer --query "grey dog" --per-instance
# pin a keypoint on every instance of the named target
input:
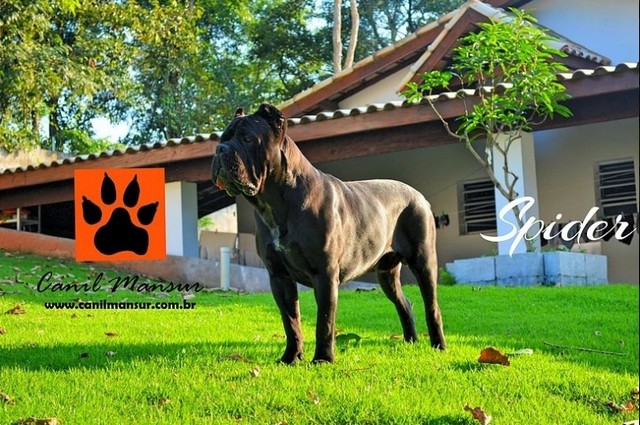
(317, 230)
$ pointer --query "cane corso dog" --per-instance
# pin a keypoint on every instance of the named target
(317, 230)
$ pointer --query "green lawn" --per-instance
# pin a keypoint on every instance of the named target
(194, 366)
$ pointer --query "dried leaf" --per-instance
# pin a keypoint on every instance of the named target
(620, 408)
(5, 398)
(188, 296)
(395, 336)
(255, 372)
(111, 334)
(635, 393)
(493, 356)
(74, 316)
(478, 414)
(313, 397)
(16, 269)
(17, 309)
(636, 422)
(163, 401)
(3, 331)
(110, 353)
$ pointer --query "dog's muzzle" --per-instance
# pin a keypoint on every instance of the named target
(227, 172)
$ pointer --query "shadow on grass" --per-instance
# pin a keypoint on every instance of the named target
(62, 357)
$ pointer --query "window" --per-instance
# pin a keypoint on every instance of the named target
(616, 190)
(477, 207)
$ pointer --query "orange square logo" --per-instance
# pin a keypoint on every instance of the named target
(120, 214)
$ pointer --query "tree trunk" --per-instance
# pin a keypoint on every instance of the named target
(337, 36)
(353, 38)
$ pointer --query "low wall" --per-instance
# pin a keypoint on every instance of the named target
(173, 268)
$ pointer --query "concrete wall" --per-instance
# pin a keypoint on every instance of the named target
(608, 28)
(567, 164)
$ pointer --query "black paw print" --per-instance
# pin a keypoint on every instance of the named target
(119, 234)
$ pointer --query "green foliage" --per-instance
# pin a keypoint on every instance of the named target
(445, 278)
(516, 62)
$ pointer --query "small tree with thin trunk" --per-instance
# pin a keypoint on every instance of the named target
(511, 66)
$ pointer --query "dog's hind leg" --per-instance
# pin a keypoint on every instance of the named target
(424, 266)
(388, 273)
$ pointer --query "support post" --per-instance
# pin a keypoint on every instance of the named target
(181, 206)
(522, 162)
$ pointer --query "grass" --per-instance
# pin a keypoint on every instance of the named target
(195, 366)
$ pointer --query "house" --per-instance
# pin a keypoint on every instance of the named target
(356, 126)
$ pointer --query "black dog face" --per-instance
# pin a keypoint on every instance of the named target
(248, 148)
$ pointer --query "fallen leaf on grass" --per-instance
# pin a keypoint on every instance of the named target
(16, 269)
(111, 334)
(110, 353)
(395, 336)
(163, 401)
(36, 421)
(255, 372)
(636, 422)
(3, 331)
(74, 316)
(187, 297)
(493, 356)
(17, 309)
(313, 397)
(478, 414)
(620, 408)
(5, 398)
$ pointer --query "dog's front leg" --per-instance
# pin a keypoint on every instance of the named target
(326, 294)
(285, 293)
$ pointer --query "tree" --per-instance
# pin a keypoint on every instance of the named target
(337, 35)
(513, 66)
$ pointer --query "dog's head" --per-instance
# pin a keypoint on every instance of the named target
(250, 149)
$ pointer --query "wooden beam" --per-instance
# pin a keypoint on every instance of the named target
(467, 23)
(376, 142)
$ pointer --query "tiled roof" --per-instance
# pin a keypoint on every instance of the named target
(323, 116)
(377, 107)
(117, 152)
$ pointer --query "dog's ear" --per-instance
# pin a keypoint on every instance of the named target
(273, 117)
(239, 113)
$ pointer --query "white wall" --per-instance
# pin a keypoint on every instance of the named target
(380, 92)
(609, 28)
